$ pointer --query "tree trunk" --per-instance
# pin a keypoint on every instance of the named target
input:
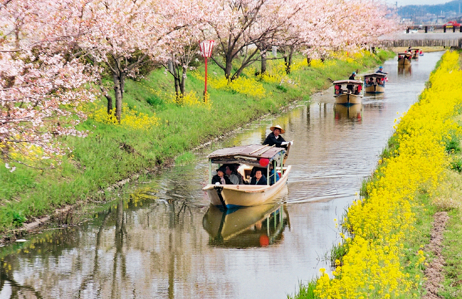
(118, 90)
(108, 98)
(287, 64)
(182, 81)
(308, 60)
(177, 89)
(228, 67)
(263, 63)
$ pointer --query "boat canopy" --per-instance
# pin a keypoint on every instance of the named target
(246, 154)
(403, 53)
(380, 75)
(414, 49)
(351, 82)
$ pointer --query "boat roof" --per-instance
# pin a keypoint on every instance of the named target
(403, 53)
(375, 75)
(358, 82)
(247, 154)
(413, 49)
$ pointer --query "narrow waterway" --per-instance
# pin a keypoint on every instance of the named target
(167, 242)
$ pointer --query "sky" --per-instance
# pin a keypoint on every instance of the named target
(416, 2)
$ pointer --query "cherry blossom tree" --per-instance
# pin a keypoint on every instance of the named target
(42, 82)
(241, 27)
(182, 46)
(127, 35)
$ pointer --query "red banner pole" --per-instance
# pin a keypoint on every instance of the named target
(205, 91)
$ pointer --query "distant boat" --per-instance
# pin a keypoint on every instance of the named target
(404, 58)
(348, 92)
(415, 53)
(375, 82)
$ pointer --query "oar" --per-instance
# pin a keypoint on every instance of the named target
(219, 189)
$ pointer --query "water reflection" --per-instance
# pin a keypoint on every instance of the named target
(353, 112)
(257, 226)
(405, 70)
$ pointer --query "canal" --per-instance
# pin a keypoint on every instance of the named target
(167, 242)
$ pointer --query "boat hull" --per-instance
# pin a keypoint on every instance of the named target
(375, 89)
(247, 195)
(348, 99)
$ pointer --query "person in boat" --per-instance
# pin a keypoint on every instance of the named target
(236, 172)
(258, 179)
(275, 138)
(220, 177)
(274, 175)
(380, 70)
(352, 77)
(233, 178)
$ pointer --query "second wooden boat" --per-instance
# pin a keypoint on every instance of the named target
(375, 82)
(348, 92)
(404, 58)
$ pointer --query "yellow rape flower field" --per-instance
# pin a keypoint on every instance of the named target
(376, 226)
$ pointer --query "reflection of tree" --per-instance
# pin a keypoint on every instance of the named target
(17, 290)
(120, 231)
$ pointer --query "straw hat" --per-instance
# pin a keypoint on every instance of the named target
(277, 127)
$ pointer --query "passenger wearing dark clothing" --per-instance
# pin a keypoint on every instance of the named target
(221, 178)
(352, 77)
(274, 138)
(258, 179)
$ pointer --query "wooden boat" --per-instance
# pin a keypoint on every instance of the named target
(348, 112)
(255, 226)
(404, 58)
(375, 83)
(248, 157)
(348, 92)
(414, 52)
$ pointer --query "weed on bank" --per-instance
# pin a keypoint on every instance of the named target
(385, 232)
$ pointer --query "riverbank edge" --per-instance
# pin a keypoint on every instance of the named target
(11, 234)
(436, 239)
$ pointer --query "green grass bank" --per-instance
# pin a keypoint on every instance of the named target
(158, 129)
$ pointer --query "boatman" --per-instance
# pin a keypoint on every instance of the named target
(275, 138)
(352, 77)
(380, 70)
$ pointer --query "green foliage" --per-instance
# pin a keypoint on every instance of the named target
(17, 218)
(186, 158)
(453, 145)
(456, 164)
(306, 291)
(452, 242)
(281, 88)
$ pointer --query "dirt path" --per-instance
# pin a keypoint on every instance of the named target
(434, 271)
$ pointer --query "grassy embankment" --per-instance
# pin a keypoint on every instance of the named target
(156, 128)
(385, 235)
